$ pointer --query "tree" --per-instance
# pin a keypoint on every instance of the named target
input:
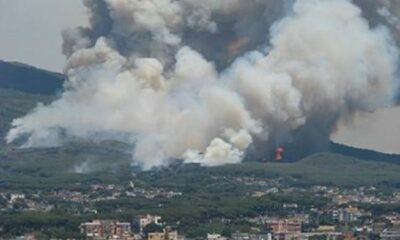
(152, 227)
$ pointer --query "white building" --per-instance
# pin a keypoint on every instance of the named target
(15, 196)
(214, 236)
(142, 221)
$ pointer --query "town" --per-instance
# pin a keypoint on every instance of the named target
(343, 213)
(153, 228)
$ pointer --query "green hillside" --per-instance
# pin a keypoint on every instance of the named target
(323, 168)
(55, 168)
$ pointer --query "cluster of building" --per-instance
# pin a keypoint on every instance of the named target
(135, 230)
(43, 201)
(292, 229)
(19, 201)
(107, 229)
(274, 229)
(131, 190)
(368, 195)
(339, 196)
(343, 216)
(289, 229)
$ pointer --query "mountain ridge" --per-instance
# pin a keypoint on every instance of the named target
(26, 78)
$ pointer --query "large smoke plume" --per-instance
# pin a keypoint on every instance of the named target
(208, 81)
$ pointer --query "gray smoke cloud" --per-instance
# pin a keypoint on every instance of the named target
(382, 12)
(208, 81)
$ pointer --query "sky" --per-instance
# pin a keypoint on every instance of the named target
(30, 32)
(378, 131)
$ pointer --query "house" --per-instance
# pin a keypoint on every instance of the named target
(251, 236)
(106, 229)
(167, 234)
(214, 236)
(141, 221)
(284, 226)
(15, 196)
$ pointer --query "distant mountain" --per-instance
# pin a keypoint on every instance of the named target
(28, 79)
(364, 154)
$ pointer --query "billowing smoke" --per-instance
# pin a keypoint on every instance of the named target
(210, 81)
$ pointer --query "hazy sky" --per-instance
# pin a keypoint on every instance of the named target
(379, 131)
(30, 33)
(30, 30)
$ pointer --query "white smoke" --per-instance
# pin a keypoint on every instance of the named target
(387, 10)
(322, 62)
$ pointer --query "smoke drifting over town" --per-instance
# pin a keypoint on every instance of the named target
(209, 81)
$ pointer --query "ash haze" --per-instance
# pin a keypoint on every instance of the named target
(188, 80)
